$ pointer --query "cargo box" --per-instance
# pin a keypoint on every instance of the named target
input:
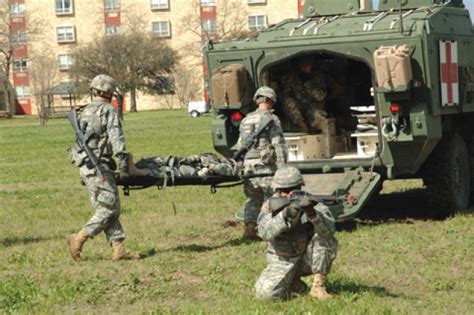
(393, 66)
(228, 86)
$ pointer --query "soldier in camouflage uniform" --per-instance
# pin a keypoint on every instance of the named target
(269, 153)
(300, 239)
(304, 94)
(101, 127)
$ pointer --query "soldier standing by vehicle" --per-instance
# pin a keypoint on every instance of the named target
(103, 134)
(300, 239)
(268, 153)
(304, 96)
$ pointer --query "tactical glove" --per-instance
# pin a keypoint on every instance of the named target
(123, 168)
(307, 204)
(292, 211)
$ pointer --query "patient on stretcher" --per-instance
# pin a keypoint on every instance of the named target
(202, 165)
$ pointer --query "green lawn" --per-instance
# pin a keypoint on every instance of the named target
(396, 260)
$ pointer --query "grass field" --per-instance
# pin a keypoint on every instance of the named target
(397, 259)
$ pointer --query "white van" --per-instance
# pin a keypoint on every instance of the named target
(197, 108)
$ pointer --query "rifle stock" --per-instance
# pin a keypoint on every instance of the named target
(82, 143)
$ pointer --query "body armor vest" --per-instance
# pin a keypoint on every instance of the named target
(94, 132)
(294, 241)
(251, 124)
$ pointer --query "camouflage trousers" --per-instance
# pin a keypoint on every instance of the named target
(275, 281)
(305, 117)
(104, 198)
(257, 190)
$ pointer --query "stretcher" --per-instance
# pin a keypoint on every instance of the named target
(136, 182)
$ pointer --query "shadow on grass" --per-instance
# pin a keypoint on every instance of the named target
(398, 207)
(205, 248)
(24, 240)
(342, 286)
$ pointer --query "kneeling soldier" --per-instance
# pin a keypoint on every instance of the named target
(300, 239)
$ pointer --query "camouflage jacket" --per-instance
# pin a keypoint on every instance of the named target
(270, 149)
(304, 92)
(290, 239)
(102, 128)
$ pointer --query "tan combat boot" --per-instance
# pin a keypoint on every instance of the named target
(318, 290)
(250, 231)
(120, 253)
(298, 286)
(75, 243)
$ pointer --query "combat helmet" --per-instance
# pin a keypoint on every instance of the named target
(267, 92)
(104, 83)
(287, 177)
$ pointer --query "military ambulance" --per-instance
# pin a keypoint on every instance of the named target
(401, 87)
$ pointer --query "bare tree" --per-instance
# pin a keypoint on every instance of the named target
(230, 22)
(14, 33)
(43, 76)
(8, 40)
(188, 84)
(127, 58)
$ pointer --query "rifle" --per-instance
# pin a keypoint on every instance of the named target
(326, 199)
(277, 204)
(252, 139)
(82, 142)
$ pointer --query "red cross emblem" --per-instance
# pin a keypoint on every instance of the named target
(448, 59)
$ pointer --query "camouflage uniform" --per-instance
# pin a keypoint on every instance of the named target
(269, 152)
(101, 126)
(303, 100)
(295, 249)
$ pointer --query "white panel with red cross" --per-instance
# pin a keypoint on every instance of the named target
(448, 60)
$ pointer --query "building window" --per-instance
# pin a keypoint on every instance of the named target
(17, 9)
(257, 22)
(111, 30)
(112, 5)
(20, 65)
(159, 4)
(161, 28)
(22, 91)
(18, 37)
(256, 1)
(65, 61)
(64, 7)
(205, 3)
(164, 85)
(66, 34)
(209, 27)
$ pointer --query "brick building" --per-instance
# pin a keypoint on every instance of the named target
(47, 32)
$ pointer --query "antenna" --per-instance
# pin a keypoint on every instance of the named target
(401, 15)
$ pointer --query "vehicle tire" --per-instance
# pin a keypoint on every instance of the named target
(447, 176)
(194, 114)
